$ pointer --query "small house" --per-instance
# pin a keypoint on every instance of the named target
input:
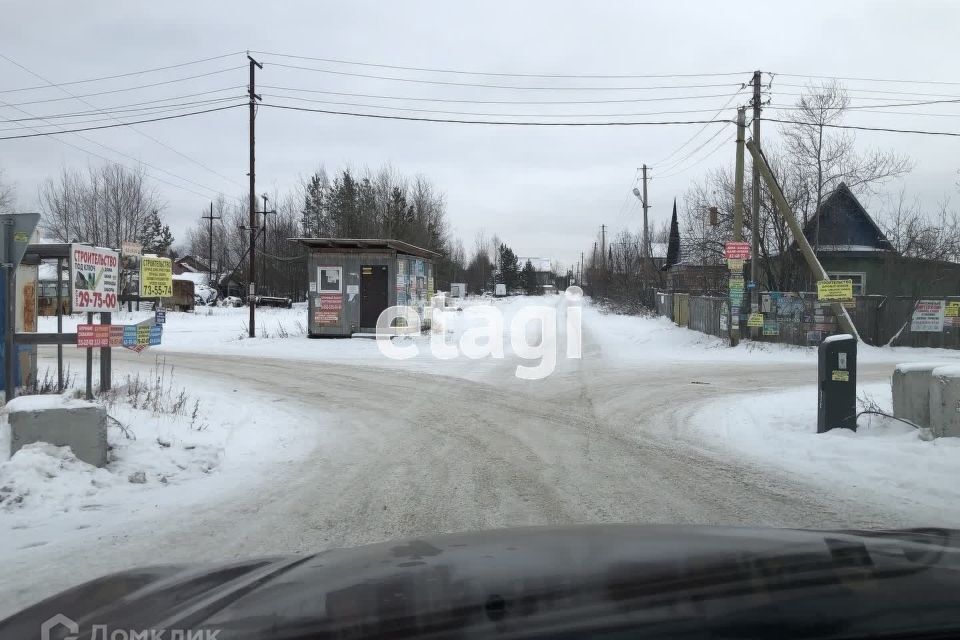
(352, 281)
(851, 246)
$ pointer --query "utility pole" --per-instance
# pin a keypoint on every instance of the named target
(646, 229)
(210, 218)
(755, 218)
(603, 246)
(580, 274)
(738, 214)
(254, 65)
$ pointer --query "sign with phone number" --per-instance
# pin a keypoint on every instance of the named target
(156, 277)
(94, 277)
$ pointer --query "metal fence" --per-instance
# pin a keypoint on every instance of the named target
(799, 319)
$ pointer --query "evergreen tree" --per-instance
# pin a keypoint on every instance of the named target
(156, 237)
(529, 278)
(509, 269)
(673, 246)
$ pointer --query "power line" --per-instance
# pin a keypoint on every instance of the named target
(518, 102)
(713, 152)
(126, 75)
(502, 75)
(672, 165)
(491, 122)
(872, 106)
(114, 115)
(125, 89)
(719, 111)
(882, 91)
(853, 79)
(106, 159)
(475, 113)
(144, 134)
(146, 102)
(863, 128)
(497, 86)
(123, 124)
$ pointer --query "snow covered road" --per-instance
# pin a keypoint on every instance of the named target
(399, 452)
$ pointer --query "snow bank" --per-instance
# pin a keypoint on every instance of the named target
(43, 402)
(46, 479)
(884, 461)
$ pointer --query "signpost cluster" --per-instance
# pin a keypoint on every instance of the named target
(95, 285)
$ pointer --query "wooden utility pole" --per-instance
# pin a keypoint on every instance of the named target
(819, 273)
(755, 204)
(210, 218)
(603, 246)
(646, 206)
(738, 213)
(251, 294)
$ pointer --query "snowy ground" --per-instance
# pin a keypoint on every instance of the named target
(325, 443)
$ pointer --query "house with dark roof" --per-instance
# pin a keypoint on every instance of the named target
(850, 245)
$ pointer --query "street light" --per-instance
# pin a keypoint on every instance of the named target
(646, 236)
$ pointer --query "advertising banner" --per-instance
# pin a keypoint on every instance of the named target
(928, 316)
(94, 275)
(156, 277)
(835, 290)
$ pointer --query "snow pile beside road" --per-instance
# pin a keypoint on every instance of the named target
(41, 476)
(884, 461)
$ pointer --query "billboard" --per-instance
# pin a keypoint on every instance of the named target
(156, 277)
(94, 278)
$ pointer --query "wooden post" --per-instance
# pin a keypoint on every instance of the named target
(738, 214)
(816, 268)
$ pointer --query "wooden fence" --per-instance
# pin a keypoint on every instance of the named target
(799, 319)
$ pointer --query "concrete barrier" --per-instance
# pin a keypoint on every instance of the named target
(945, 401)
(63, 422)
(911, 391)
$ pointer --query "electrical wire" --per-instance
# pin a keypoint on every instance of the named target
(128, 74)
(498, 86)
(491, 122)
(106, 159)
(123, 124)
(142, 133)
(854, 79)
(719, 111)
(864, 128)
(476, 113)
(881, 91)
(125, 89)
(518, 102)
(114, 115)
(676, 163)
(723, 143)
(498, 74)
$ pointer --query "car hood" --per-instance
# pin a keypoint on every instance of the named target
(542, 582)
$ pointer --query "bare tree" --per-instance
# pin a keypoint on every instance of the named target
(105, 206)
(820, 159)
(916, 235)
(8, 195)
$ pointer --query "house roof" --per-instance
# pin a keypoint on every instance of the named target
(366, 243)
(845, 225)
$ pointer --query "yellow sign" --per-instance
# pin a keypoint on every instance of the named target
(835, 290)
(755, 320)
(735, 264)
(952, 310)
(840, 376)
(156, 277)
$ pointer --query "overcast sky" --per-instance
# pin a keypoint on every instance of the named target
(545, 191)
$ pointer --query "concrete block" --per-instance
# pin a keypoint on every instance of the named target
(63, 422)
(945, 401)
(911, 391)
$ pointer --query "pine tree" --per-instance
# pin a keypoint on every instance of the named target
(509, 270)
(673, 247)
(155, 236)
(529, 277)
